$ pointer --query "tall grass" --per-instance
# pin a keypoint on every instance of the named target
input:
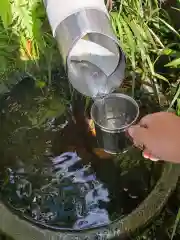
(146, 33)
(141, 27)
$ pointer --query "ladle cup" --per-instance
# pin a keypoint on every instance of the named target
(112, 116)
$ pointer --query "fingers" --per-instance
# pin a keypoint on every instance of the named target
(140, 135)
(141, 139)
(149, 119)
(146, 121)
(148, 155)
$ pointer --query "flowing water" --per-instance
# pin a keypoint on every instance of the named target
(89, 79)
(52, 172)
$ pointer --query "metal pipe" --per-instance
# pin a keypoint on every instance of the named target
(84, 33)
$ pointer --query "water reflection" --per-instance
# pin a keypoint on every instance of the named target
(68, 195)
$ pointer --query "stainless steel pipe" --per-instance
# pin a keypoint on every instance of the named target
(83, 32)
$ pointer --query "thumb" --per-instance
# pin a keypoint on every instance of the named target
(140, 135)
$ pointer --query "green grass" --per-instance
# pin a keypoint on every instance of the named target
(142, 28)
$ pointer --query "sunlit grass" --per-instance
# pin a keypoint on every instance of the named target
(140, 26)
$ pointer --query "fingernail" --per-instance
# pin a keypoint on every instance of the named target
(154, 159)
(148, 156)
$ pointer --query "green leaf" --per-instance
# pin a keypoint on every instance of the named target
(88, 99)
(40, 84)
(139, 39)
(177, 9)
(150, 37)
(175, 224)
(151, 66)
(156, 38)
(167, 51)
(174, 63)
(130, 41)
(175, 98)
(159, 76)
(119, 31)
(5, 13)
(170, 27)
(178, 107)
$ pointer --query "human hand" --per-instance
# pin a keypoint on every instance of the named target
(158, 135)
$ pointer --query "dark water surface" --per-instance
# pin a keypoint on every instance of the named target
(51, 174)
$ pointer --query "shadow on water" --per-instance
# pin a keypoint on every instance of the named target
(50, 173)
